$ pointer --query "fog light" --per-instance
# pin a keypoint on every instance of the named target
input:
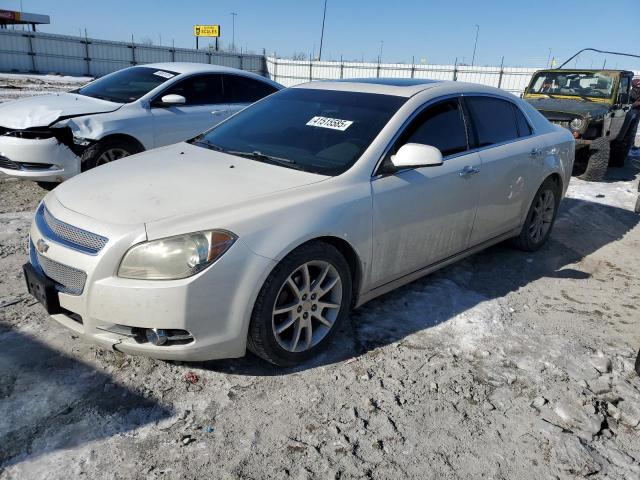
(156, 336)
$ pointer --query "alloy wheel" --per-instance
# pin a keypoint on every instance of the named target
(307, 306)
(543, 213)
(110, 155)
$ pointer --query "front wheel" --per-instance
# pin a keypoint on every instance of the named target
(301, 305)
(106, 151)
(599, 152)
(540, 218)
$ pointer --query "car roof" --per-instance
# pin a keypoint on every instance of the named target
(400, 87)
(192, 67)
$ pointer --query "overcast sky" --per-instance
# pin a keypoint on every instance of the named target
(431, 31)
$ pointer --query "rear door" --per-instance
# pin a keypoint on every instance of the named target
(423, 215)
(241, 91)
(203, 109)
(511, 164)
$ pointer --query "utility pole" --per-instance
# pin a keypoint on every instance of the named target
(324, 15)
(233, 29)
(473, 59)
(549, 57)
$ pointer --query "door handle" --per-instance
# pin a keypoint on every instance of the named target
(468, 171)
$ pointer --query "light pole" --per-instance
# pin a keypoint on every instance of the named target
(233, 30)
(473, 59)
(380, 54)
(324, 15)
(549, 57)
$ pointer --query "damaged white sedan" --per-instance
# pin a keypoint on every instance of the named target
(51, 138)
(264, 232)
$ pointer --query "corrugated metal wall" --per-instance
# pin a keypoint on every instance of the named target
(49, 53)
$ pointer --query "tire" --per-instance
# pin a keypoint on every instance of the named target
(108, 150)
(620, 149)
(598, 160)
(48, 185)
(527, 241)
(281, 348)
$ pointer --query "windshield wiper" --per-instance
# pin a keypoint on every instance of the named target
(257, 155)
(211, 146)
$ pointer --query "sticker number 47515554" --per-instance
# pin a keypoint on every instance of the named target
(332, 123)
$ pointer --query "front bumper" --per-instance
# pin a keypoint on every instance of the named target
(214, 306)
(45, 160)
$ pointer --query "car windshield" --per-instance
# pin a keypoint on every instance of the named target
(579, 84)
(320, 131)
(127, 85)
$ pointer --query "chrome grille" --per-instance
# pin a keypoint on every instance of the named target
(68, 235)
(69, 280)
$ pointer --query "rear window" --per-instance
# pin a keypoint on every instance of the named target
(524, 129)
(127, 85)
(493, 120)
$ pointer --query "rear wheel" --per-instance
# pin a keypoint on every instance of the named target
(599, 152)
(106, 151)
(540, 218)
(301, 305)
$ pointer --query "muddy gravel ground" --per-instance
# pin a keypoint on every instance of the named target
(506, 365)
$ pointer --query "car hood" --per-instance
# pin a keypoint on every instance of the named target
(43, 110)
(173, 181)
(583, 108)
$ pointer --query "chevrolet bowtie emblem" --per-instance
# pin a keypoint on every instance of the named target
(42, 246)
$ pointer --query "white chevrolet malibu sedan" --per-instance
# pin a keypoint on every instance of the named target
(264, 231)
(51, 138)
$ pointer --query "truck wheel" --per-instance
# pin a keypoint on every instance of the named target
(106, 151)
(620, 149)
(598, 160)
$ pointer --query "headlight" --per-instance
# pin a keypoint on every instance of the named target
(175, 257)
(577, 124)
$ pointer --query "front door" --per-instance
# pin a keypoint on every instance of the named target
(424, 215)
(203, 109)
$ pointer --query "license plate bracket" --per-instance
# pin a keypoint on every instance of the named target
(42, 289)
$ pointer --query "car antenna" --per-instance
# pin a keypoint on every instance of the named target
(598, 51)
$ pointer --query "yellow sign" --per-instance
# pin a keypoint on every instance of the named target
(206, 30)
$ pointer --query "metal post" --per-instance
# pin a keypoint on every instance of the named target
(133, 51)
(475, 45)
(241, 62)
(86, 51)
(233, 41)
(455, 70)
(324, 15)
(310, 70)
(197, 45)
(501, 72)
(413, 66)
(549, 57)
(341, 67)
(275, 67)
(32, 54)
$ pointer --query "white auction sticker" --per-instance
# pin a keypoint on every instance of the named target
(162, 74)
(332, 123)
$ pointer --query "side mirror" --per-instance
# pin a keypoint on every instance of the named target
(173, 100)
(415, 155)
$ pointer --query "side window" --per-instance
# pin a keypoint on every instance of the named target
(492, 120)
(623, 93)
(524, 129)
(440, 126)
(198, 90)
(239, 89)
